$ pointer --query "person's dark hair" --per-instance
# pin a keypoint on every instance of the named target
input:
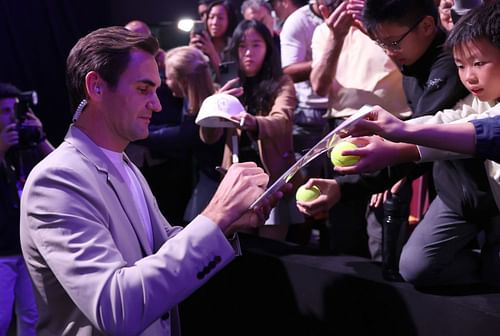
(259, 91)
(403, 12)
(482, 22)
(231, 14)
(255, 4)
(106, 51)
(8, 90)
(300, 3)
(205, 2)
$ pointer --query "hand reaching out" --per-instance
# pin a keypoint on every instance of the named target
(375, 154)
(379, 122)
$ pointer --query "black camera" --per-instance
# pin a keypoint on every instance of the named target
(29, 136)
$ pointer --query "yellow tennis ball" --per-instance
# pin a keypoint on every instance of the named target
(307, 194)
(343, 160)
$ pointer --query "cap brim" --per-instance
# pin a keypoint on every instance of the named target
(216, 121)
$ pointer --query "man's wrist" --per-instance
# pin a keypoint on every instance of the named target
(217, 218)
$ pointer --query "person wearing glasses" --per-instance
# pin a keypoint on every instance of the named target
(409, 32)
(438, 251)
(351, 70)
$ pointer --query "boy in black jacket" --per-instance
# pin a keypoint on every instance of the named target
(408, 31)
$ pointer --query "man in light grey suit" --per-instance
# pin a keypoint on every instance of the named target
(102, 258)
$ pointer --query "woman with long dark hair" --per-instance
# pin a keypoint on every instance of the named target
(214, 41)
(265, 131)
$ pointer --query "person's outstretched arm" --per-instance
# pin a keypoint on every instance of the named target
(456, 137)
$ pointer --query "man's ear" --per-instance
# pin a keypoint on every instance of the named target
(428, 25)
(94, 85)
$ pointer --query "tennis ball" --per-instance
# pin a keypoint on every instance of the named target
(307, 194)
(343, 160)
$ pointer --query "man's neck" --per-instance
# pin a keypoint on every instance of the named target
(99, 137)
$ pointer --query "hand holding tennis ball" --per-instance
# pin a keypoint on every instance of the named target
(307, 194)
(343, 160)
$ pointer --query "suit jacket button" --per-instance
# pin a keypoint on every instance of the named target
(165, 316)
(217, 259)
(200, 275)
(212, 264)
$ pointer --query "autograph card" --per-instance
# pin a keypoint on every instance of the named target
(328, 142)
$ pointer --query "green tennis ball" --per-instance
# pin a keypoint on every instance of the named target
(307, 194)
(343, 160)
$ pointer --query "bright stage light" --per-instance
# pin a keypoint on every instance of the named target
(185, 24)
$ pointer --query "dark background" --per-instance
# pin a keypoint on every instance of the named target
(37, 35)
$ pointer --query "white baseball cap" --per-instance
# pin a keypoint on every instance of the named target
(217, 110)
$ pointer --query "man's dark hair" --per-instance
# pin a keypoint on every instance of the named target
(9, 91)
(403, 12)
(482, 22)
(205, 2)
(106, 51)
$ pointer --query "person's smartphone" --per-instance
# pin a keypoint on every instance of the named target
(198, 28)
(227, 71)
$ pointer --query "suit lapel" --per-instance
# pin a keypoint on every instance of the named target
(157, 221)
(93, 153)
(124, 194)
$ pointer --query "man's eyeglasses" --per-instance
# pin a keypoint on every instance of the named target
(396, 45)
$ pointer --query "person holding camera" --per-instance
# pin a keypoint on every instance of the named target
(22, 141)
